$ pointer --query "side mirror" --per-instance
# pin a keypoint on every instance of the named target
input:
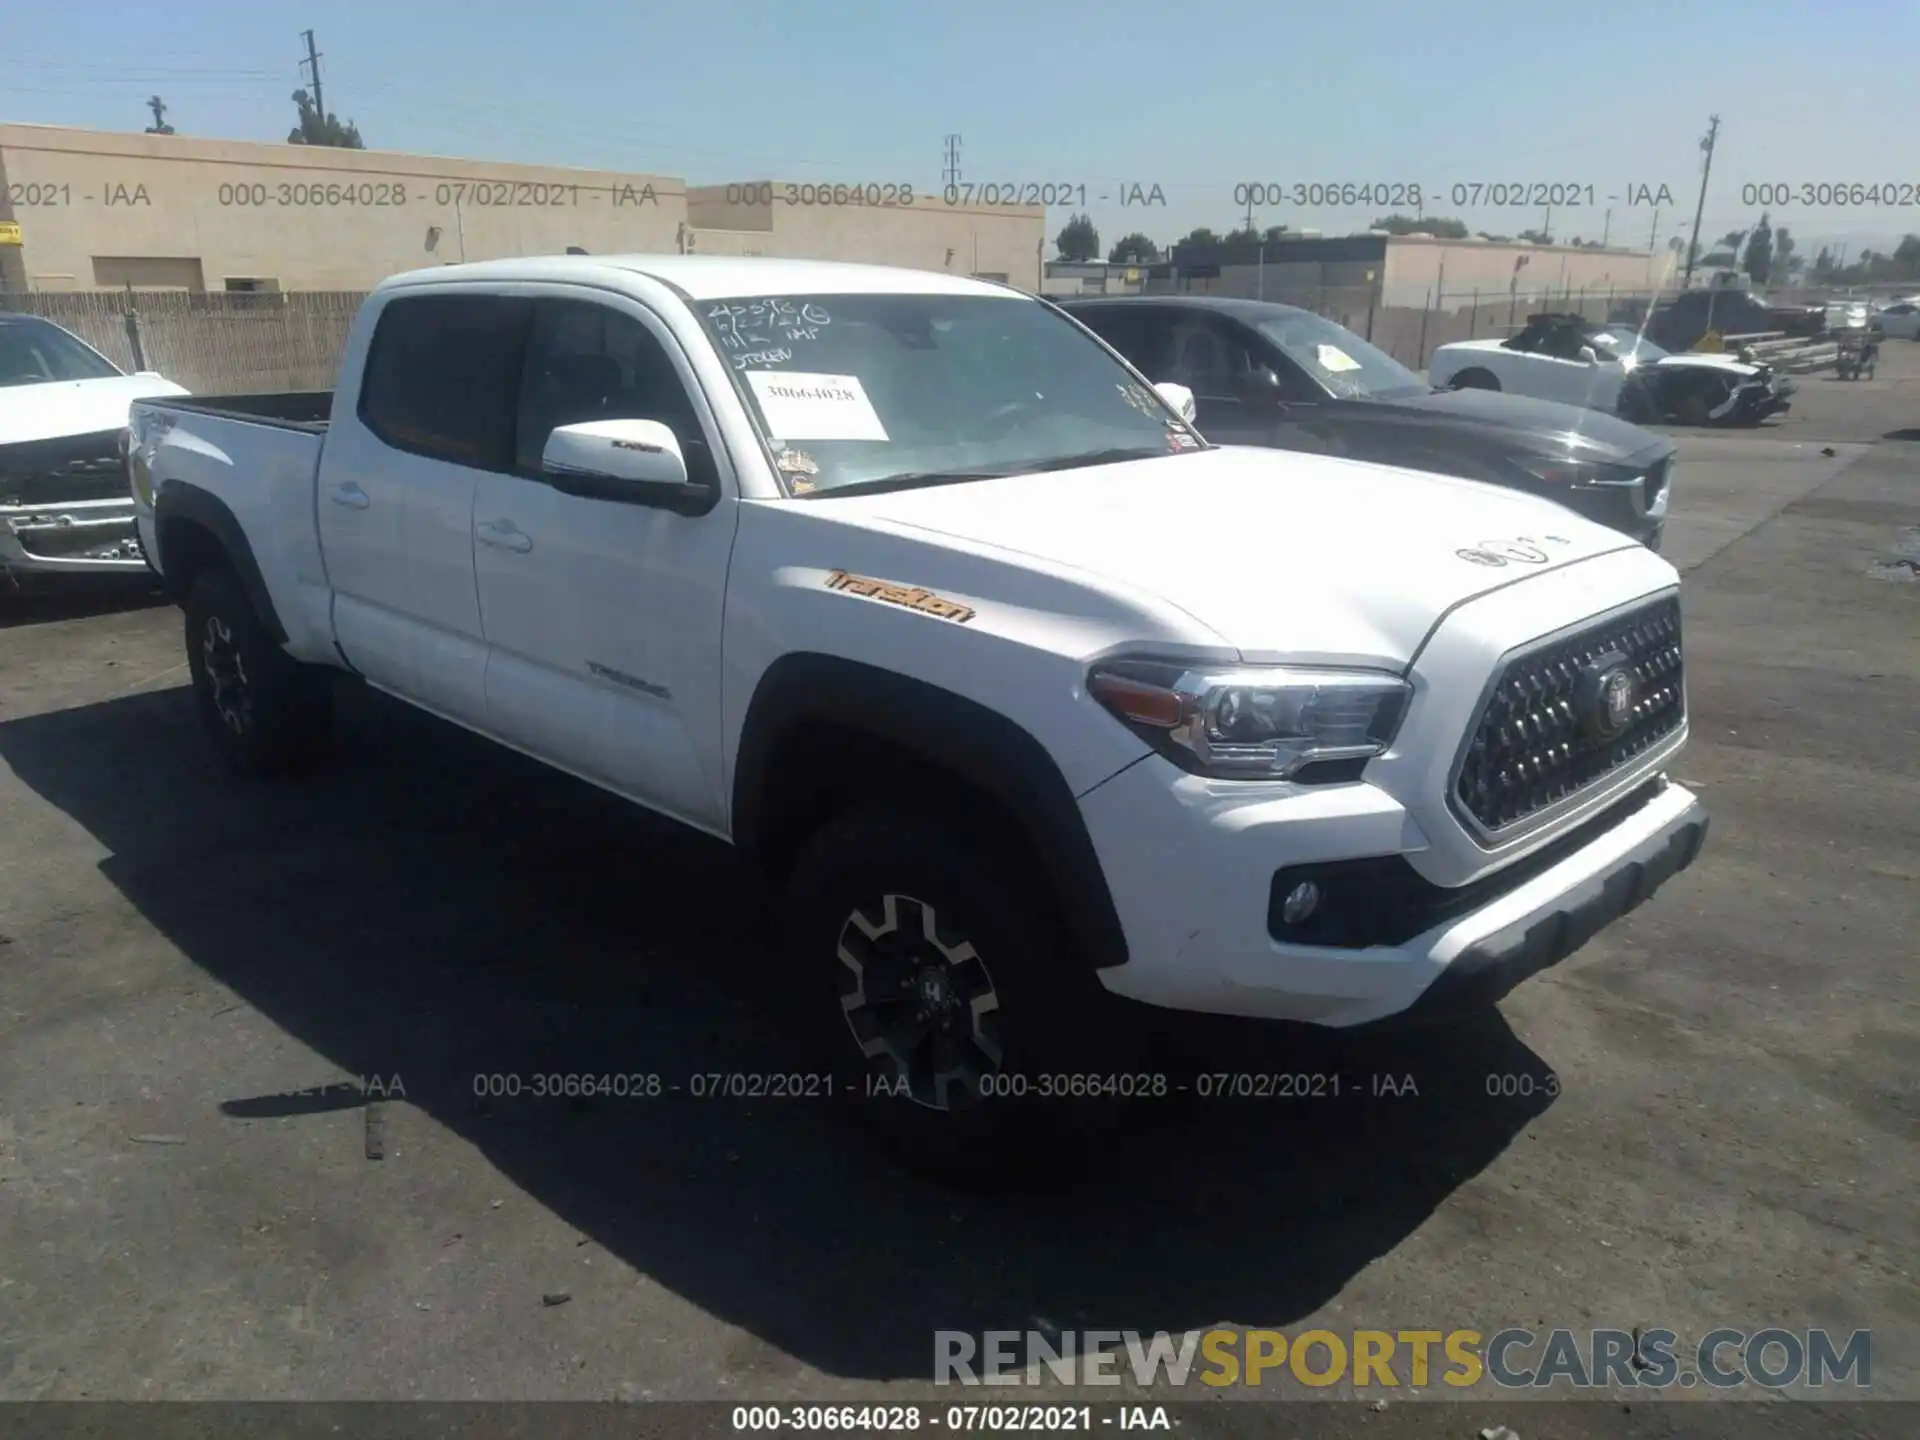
(1589, 356)
(642, 452)
(1179, 397)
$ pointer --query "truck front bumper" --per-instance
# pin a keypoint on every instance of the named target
(76, 537)
(1197, 871)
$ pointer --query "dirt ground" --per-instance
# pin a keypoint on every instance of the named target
(212, 995)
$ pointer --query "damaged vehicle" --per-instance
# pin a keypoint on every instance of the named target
(64, 504)
(1611, 368)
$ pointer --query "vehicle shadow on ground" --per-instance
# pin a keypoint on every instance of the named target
(44, 602)
(435, 908)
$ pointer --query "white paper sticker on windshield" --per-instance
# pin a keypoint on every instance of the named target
(1332, 357)
(803, 406)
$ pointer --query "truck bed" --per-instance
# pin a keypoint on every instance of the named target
(306, 410)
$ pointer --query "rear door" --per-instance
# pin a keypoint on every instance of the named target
(433, 413)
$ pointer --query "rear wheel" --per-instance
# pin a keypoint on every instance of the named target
(1475, 379)
(1694, 407)
(266, 712)
(945, 998)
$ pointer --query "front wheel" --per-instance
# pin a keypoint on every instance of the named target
(1474, 380)
(266, 712)
(945, 997)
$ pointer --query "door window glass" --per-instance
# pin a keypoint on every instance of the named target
(591, 362)
(441, 376)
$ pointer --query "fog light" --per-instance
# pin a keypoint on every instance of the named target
(1300, 903)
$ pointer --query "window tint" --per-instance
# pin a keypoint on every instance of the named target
(442, 375)
(1136, 333)
(590, 362)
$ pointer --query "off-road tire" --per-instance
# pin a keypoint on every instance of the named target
(892, 917)
(267, 713)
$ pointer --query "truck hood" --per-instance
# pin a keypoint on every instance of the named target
(1540, 426)
(55, 408)
(1281, 555)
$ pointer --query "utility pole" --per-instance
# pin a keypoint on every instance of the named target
(312, 62)
(1606, 230)
(950, 171)
(1653, 237)
(1713, 134)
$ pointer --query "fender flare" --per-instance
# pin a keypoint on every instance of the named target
(179, 501)
(979, 745)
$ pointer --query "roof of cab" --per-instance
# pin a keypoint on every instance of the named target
(712, 277)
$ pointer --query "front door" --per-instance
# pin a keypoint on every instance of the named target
(603, 618)
(398, 475)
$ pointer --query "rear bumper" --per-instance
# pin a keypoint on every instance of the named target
(81, 537)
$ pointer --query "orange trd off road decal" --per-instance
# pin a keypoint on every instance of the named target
(911, 597)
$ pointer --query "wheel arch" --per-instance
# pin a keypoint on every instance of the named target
(823, 732)
(194, 528)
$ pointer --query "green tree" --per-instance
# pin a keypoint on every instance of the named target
(1134, 249)
(1436, 225)
(1199, 238)
(1245, 235)
(1758, 262)
(1273, 233)
(1077, 240)
(159, 109)
(1907, 254)
(317, 129)
(1784, 260)
(1823, 265)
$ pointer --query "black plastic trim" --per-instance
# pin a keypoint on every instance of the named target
(983, 748)
(1383, 900)
(1483, 973)
(178, 502)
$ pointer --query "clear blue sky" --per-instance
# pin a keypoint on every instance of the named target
(1191, 95)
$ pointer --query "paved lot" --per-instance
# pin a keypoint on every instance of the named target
(1735, 1139)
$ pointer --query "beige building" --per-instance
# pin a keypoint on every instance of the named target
(888, 224)
(84, 210)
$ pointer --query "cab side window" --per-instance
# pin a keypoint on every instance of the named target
(591, 362)
(441, 377)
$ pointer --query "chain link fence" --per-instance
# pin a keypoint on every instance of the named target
(212, 344)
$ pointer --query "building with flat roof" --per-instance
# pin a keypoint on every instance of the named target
(84, 210)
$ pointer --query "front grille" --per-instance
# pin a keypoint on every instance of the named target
(71, 467)
(1539, 739)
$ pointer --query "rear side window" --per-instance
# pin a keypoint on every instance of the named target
(443, 377)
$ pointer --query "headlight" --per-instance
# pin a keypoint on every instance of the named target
(1256, 722)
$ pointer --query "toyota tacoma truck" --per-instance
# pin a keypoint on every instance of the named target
(64, 508)
(1021, 694)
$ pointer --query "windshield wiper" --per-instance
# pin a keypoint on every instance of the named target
(914, 479)
(905, 480)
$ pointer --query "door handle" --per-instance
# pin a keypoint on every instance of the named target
(351, 496)
(503, 534)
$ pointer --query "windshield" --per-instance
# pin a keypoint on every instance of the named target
(915, 388)
(36, 353)
(1625, 344)
(1340, 360)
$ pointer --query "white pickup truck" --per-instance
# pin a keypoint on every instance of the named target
(913, 590)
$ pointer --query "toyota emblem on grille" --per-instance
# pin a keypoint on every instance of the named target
(1616, 695)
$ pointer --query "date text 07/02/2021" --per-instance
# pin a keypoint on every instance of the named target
(1465, 194)
(958, 195)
